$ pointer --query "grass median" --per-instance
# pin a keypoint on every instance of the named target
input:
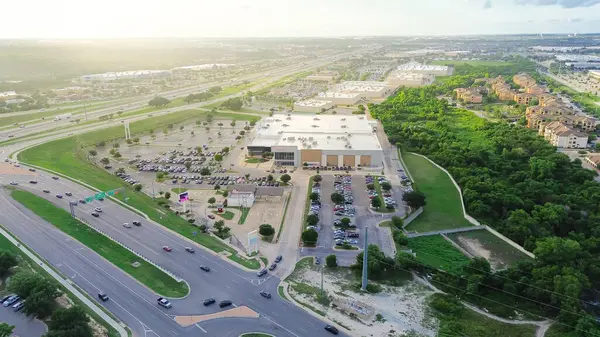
(69, 157)
(146, 273)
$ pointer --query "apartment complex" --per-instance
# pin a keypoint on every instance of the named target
(524, 80)
(561, 135)
(594, 160)
(468, 95)
(326, 140)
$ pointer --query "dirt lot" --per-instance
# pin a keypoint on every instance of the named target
(393, 311)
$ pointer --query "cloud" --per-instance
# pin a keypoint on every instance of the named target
(487, 4)
(562, 3)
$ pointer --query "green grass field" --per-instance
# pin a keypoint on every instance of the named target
(68, 156)
(254, 160)
(471, 63)
(443, 209)
(146, 273)
(482, 243)
(436, 252)
(227, 215)
(178, 189)
(26, 262)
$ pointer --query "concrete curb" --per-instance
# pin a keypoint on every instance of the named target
(122, 332)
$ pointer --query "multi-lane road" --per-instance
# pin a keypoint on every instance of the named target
(132, 302)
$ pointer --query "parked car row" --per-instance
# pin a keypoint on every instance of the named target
(14, 301)
(315, 205)
(127, 178)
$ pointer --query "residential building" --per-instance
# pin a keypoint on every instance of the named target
(505, 94)
(523, 99)
(312, 105)
(546, 99)
(523, 80)
(594, 160)
(468, 95)
(536, 89)
(8, 95)
(324, 140)
(563, 136)
(406, 79)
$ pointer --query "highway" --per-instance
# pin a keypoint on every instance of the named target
(132, 302)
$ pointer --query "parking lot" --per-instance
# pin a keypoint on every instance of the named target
(24, 326)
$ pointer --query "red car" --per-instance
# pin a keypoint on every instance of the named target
(210, 216)
(167, 248)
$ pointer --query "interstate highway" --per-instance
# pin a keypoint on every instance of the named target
(134, 303)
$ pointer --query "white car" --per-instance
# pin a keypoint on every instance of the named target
(14, 183)
(98, 209)
(126, 225)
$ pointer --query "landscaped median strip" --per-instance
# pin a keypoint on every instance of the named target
(146, 273)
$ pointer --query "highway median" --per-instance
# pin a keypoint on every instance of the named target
(147, 274)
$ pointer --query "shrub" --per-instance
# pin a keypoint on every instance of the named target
(331, 261)
(266, 230)
(309, 237)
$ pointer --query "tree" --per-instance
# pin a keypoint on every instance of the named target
(385, 186)
(187, 164)
(312, 220)
(158, 101)
(129, 141)
(212, 200)
(337, 198)
(376, 202)
(414, 199)
(101, 143)
(317, 178)
(205, 171)
(361, 108)
(71, 322)
(314, 196)
(225, 149)
(116, 145)
(252, 123)
(38, 291)
(285, 178)
(309, 237)
(597, 147)
(225, 194)
(220, 124)
(400, 238)
(232, 123)
(371, 186)
(117, 155)
(218, 157)
(397, 222)
(345, 222)
(137, 187)
(93, 152)
(136, 140)
(6, 330)
(105, 161)
(266, 230)
(331, 261)
(167, 195)
(234, 104)
(7, 261)
(270, 177)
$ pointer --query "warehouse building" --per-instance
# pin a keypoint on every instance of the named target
(410, 79)
(340, 98)
(312, 105)
(367, 89)
(326, 140)
(430, 69)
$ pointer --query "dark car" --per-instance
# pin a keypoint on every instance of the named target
(136, 223)
(278, 258)
(261, 273)
(190, 250)
(32, 169)
(46, 191)
(81, 201)
(209, 301)
(225, 303)
(273, 266)
(103, 297)
(59, 196)
(55, 178)
(68, 194)
(332, 329)
(33, 182)
(95, 214)
(265, 294)
(205, 268)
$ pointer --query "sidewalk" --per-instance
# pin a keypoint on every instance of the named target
(66, 284)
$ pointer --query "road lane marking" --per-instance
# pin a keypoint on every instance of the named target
(226, 286)
(199, 327)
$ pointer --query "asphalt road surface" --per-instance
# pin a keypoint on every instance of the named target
(134, 303)
(24, 326)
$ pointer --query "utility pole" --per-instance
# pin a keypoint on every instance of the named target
(365, 257)
(322, 267)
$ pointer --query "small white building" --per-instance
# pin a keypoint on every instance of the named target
(240, 199)
(340, 98)
(405, 79)
(312, 105)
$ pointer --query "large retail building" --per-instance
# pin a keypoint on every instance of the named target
(324, 140)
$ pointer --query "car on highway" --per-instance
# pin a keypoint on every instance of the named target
(10, 300)
(32, 169)
(332, 329)
(46, 191)
(19, 305)
(14, 183)
(265, 294)
(33, 182)
(273, 266)
(205, 268)
(210, 216)
(59, 196)
(261, 273)
(190, 250)
(95, 214)
(68, 194)
(136, 223)
(55, 177)
(163, 302)
(278, 258)
(97, 209)
(81, 201)
(73, 202)
(225, 303)
(126, 225)
(167, 248)
(103, 297)
(209, 301)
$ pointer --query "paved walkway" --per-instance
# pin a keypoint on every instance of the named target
(66, 284)
(238, 312)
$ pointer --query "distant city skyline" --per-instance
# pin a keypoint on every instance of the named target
(72, 19)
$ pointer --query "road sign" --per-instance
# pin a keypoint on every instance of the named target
(100, 195)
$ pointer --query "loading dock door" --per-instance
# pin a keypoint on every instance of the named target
(332, 160)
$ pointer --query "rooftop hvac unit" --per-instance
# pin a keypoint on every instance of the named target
(328, 137)
(315, 126)
(314, 143)
(284, 138)
(288, 118)
(349, 135)
(349, 146)
(284, 125)
(310, 138)
(278, 120)
(308, 146)
(337, 138)
(344, 126)
(316, 119)
(343, 119)
(361, 117)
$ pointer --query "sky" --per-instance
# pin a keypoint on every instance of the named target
(64, 19)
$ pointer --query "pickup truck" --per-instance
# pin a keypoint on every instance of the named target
(163, 302)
